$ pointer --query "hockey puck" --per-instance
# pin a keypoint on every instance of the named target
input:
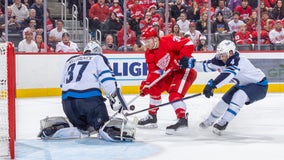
(132, 107)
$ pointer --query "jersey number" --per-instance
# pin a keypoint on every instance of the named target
(82, 65)
(176, 38)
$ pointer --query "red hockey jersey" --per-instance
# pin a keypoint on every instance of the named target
(241, 38)
(171, 49)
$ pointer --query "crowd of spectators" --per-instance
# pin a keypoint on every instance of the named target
(25, 18)
(237, 19)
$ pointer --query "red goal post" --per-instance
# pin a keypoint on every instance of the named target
(7, 100)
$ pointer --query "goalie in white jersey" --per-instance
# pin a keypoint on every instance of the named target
(251, 83)
(83, 77)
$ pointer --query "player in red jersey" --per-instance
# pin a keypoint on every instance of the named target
(163, 54)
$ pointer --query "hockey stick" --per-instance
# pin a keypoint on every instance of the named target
(164, 104)
(149, 86)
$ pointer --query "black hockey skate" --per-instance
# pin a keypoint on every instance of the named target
(150, 121)
(218, 129)
(180, 125)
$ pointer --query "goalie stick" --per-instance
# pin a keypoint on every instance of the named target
(121, 99)
(164, 104)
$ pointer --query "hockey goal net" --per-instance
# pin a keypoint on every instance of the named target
(7, 100)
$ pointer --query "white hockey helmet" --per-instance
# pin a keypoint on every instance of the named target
(93, 48)
(225, 47)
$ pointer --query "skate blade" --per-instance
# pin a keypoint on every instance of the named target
(148, 126)
(217, 131)
(178, 132)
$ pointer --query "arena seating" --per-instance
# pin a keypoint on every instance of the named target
(244, 47)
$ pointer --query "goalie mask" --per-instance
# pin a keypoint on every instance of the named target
(225, 47)
(118, 129)
(93, 48)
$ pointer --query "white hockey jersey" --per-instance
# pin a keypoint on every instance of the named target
(84, 75)
(276, 37)
(72, 47)
(237, 69)
(235, 26)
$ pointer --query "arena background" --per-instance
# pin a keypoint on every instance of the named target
(39, 74)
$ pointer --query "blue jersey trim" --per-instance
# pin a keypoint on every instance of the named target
(107, 79)
(229, 71)
(103, 72)
(81, 94)
(204, 66)
(235, 104)
(264, 82)
(231, 111)
(233, 68)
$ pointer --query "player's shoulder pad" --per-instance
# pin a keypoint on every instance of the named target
(233, 60)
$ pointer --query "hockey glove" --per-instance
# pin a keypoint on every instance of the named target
(144, 88)
(186, 62)
(114, 102)
(209, 89)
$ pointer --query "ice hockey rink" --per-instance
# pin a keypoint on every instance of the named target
(257, 133)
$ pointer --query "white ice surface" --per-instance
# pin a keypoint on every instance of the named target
(257, 133)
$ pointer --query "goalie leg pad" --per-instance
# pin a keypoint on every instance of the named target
(69, 133)
(118, 129)
(50, 125)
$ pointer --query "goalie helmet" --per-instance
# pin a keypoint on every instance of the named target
(225, 47)
(93, 48)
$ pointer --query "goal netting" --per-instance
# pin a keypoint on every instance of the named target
(7, 100)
